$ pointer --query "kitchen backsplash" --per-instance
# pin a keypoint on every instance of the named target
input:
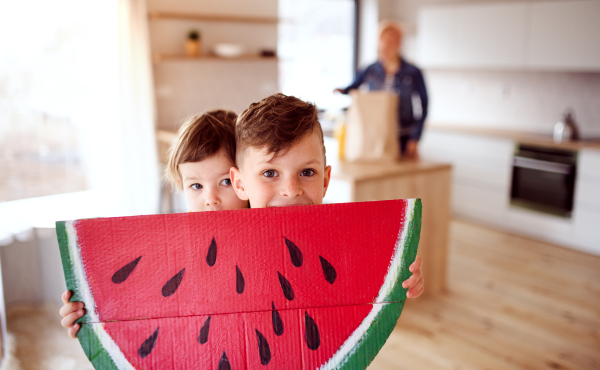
(514, 100)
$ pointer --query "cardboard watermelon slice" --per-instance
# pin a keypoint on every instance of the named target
(311, 287)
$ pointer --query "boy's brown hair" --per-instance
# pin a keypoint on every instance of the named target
(276, 123)
(199, 137)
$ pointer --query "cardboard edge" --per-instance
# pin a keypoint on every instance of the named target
(67, 264)
(89, 338)
(385, 321)
(382, 325)
(375, 337)
(71, 277)
(413, 237)
(93, 348)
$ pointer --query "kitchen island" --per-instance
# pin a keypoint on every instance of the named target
(429, 181)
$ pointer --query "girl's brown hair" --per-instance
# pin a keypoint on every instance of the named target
(199, 137)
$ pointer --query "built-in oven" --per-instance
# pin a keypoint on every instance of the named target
(544, 179)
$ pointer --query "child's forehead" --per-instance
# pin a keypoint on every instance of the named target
(309, 147)
(215, 162)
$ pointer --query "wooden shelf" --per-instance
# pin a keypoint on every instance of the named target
(157, 58)
(212, 17)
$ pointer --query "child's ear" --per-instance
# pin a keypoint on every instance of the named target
(238, 183)
(326, 179)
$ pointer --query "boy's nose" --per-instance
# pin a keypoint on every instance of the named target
(291, 188)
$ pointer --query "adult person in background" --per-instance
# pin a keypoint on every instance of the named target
(392, 73)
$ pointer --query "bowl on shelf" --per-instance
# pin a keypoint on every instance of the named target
(226, 50)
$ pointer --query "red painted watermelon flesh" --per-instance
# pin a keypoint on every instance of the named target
(281, 288)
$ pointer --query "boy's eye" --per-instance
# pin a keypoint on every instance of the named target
(196, 186)
(270, 173)
(226, 182)
(307, 172)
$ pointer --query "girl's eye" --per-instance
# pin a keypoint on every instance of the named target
(196, 186)
(307, 172)
(269, 173)
(226, 182)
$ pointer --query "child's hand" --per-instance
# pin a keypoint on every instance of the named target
(415, 283)
(70, 312)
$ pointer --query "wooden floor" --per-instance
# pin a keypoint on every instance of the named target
(512, 303)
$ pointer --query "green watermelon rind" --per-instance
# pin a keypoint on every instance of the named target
(89, 335)
(380, 322)
(377, 326)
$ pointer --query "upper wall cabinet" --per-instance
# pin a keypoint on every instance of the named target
(565, 35)
(489, 35)
(557, 35)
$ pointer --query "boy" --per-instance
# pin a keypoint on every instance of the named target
(280, 161)
(199, 164)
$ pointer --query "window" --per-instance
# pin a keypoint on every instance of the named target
(38, 139)
(317, 50)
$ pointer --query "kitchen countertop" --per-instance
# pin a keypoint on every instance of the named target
(370, 171)
(375, 170)
(526, 138)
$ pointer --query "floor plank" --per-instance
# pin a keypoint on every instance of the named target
(512, 303)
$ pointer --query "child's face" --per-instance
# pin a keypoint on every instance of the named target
(299, 177)
(207, 186)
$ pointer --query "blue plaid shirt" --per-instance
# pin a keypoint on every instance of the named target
(410, 87)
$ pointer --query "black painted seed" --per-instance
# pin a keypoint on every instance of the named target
(328, 270)
(240, 284)
(224, 362)
(203, 337)
(263, 348)
(171, 286)
(311, 332)
(277, 322)
(211, 256)
(295, 253)
(288, 292)
(148, 345)
(123, 273)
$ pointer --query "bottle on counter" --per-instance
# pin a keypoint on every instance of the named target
(566, 129)
(340, 135)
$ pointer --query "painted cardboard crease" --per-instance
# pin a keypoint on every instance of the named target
(151, 316)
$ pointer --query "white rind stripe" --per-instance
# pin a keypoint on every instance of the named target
(87, 298)
(387, 287)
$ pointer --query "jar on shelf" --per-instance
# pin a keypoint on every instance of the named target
(193, 44)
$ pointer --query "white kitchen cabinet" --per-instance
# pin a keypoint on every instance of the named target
(549, 35)
(473, 36)
(481, 185)
(564, 35)
(481, 172)
(586, 215)
(586, 234)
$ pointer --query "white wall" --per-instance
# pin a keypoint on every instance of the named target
(186, 87)
(517, 100)
(32, 270)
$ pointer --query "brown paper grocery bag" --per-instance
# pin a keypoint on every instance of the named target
(372, 127)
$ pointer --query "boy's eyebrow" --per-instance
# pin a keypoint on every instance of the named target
(309, 162)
